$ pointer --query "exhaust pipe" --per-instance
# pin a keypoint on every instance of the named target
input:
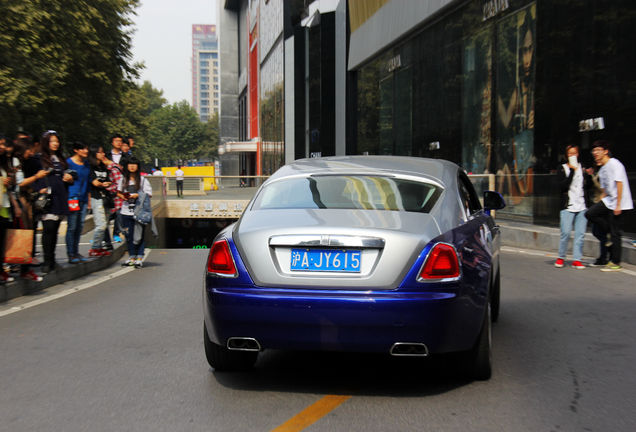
(409, 349)
(243, 344)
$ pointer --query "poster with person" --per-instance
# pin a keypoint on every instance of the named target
(477, 103)
(515, 83)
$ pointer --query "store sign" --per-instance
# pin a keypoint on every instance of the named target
(394, 63)
(493, 8)
(587, 125)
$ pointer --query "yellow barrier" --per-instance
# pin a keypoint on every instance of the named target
(197, 171)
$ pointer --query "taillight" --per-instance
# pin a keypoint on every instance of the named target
(441, 263)
(220, 260)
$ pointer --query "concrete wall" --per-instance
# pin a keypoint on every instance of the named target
(229, 63)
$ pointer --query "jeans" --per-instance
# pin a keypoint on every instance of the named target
(580, 224)
(75, 223)
(101, 221)
(128, 227)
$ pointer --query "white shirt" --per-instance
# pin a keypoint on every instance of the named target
(179, 174)
(145, 185)
(610, 173)
(576, 197)
(116, 157)
(157, 173)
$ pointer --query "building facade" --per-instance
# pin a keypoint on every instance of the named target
(205, 71)
(497, 86)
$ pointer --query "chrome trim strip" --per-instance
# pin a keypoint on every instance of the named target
(327, 240)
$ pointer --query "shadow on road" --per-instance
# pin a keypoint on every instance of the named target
(348, 373)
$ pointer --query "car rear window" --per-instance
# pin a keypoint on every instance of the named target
(365, 192)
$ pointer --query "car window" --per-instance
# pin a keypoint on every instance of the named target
(364, 192)
(467, 195)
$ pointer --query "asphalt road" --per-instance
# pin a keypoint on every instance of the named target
(127, 355)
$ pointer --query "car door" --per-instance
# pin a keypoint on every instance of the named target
(474, 241)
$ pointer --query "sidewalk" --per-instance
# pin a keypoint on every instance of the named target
(65, 271)
(519, 234)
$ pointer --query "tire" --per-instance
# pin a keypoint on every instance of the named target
(222, 359)
(480, 357)
(495, 296)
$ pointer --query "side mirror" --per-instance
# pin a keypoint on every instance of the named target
(493, 201)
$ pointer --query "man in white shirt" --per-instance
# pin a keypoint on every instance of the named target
(179, 177)
(616, 198)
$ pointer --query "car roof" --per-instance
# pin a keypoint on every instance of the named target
(440, 170)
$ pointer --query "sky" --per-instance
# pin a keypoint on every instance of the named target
(163, 41)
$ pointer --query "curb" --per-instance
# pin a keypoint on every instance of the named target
(517, 234)
(63, 273)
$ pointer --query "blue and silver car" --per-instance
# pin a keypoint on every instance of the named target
(380, 254)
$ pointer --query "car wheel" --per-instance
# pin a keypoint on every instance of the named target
(222, 359)
(495, 298)
(481, 355)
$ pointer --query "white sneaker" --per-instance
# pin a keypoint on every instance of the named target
(129, 262)
(139, 263)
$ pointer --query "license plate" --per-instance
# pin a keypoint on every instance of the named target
(326, 260)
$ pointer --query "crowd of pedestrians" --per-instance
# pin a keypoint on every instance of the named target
(41, 186)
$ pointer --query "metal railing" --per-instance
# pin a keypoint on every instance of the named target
(201, 185)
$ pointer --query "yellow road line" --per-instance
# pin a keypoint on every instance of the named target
(311, 414)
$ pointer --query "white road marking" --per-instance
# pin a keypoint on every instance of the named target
(527, 252)
(73, 290)
(550, 254)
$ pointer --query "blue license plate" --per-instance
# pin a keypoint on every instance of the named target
(326, 260)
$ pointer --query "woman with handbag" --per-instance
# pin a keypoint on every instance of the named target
(28, 171)
(101, 200)
(56, 185)
(129, 189)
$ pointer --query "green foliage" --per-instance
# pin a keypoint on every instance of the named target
(64, 64)
(176, 134)
(133, 116)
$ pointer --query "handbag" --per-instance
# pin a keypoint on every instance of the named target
(73, 205)
(43, 201)
(108, 199)
(19, 246)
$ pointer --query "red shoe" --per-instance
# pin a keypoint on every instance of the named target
(32, 276)
(6, 277)
(94, 252)
(559, 263)
(577, 265)
(104, 252)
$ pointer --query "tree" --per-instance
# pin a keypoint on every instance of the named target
(64, 64)
(133, 115)
(175, 133)
(209, 146)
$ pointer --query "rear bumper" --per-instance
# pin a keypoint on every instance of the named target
(341, 320)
